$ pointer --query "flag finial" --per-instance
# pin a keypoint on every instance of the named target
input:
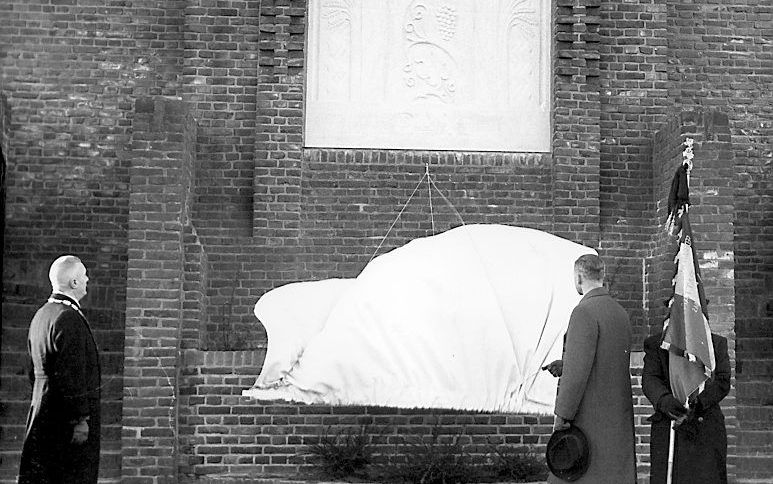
(679, 195)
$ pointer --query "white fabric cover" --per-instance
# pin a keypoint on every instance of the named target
(292, 315)
(463, 320)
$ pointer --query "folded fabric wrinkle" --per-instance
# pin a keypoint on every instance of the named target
(464, 319)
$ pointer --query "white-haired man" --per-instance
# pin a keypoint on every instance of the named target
(61, 443)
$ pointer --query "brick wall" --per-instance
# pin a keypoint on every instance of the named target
(711, 217)
(71, 71)
(576, 114)
(634, 104)
(162, 170)
(720, 60)
(223, 433)
(288, 179)
(259, 207)
(5, 134)
(220, 83)
(48, 213)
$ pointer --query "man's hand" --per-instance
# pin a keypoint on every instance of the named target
(671, 407)
(80, 432)
(560, 424)
(555, 368)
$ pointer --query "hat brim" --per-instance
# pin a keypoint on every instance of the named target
(568, 454)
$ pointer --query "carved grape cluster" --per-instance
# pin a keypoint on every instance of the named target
(446, 19)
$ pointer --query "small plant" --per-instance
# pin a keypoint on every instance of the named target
(344, 454)
(518, 465)
(435, 462)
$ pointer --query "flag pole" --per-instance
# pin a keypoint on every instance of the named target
(671, 440)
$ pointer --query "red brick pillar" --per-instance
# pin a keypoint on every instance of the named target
(162, 152)
(5, 134)
(576, 138)
(712, 211)
(279, 142)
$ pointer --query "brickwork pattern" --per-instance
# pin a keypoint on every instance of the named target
(5, 135)
(278, 150)
(283, 220)
(634, 104)
(163, 145)
(711, 217)
(70, 72)
(220, 84)
(576, 139)
(719, 59)
(223, 433)
(350, 199)
(258, 212)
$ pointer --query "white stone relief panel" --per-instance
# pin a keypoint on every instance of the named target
(468, 75)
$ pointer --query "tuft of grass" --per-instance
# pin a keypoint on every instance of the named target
(434, 461)
(343, 454)
(518, 465)
(348, 454)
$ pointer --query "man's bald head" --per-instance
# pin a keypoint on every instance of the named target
(68, 276)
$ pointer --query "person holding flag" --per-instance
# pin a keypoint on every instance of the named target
(686, 369)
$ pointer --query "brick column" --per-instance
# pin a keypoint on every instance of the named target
(5, 135)
(279, 142)
(711, 213)
(576, 140)
(162, 151)
(711, 216)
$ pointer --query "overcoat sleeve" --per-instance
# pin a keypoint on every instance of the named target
(579, 355)
(654, 380)
(718, 386)
(69, 366)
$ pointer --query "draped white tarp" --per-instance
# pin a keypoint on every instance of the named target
(462, 320)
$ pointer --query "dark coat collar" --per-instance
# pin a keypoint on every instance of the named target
(62, 297)
(598, 291)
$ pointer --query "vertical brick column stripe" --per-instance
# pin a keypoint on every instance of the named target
(576, 122)
(161, 175)
(711, 216)
(279, 142)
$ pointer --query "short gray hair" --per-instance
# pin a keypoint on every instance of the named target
(590, 266)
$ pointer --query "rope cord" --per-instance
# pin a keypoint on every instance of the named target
(429, 193)
(447, 201)
(398, 217)
(430, 185)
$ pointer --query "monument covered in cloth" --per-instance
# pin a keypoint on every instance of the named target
(463, 320)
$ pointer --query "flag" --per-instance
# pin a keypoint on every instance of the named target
(686, 332)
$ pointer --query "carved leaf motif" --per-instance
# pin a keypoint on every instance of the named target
(430, 66)
(415, 28)
(337, 12)
(520, 14)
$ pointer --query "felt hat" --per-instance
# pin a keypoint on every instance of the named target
(568, 454)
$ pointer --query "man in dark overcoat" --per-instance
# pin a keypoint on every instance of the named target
(61, 444)
(594, 389)
(700, 450)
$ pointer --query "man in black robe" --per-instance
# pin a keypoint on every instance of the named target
(61, 444)
(700, 450)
